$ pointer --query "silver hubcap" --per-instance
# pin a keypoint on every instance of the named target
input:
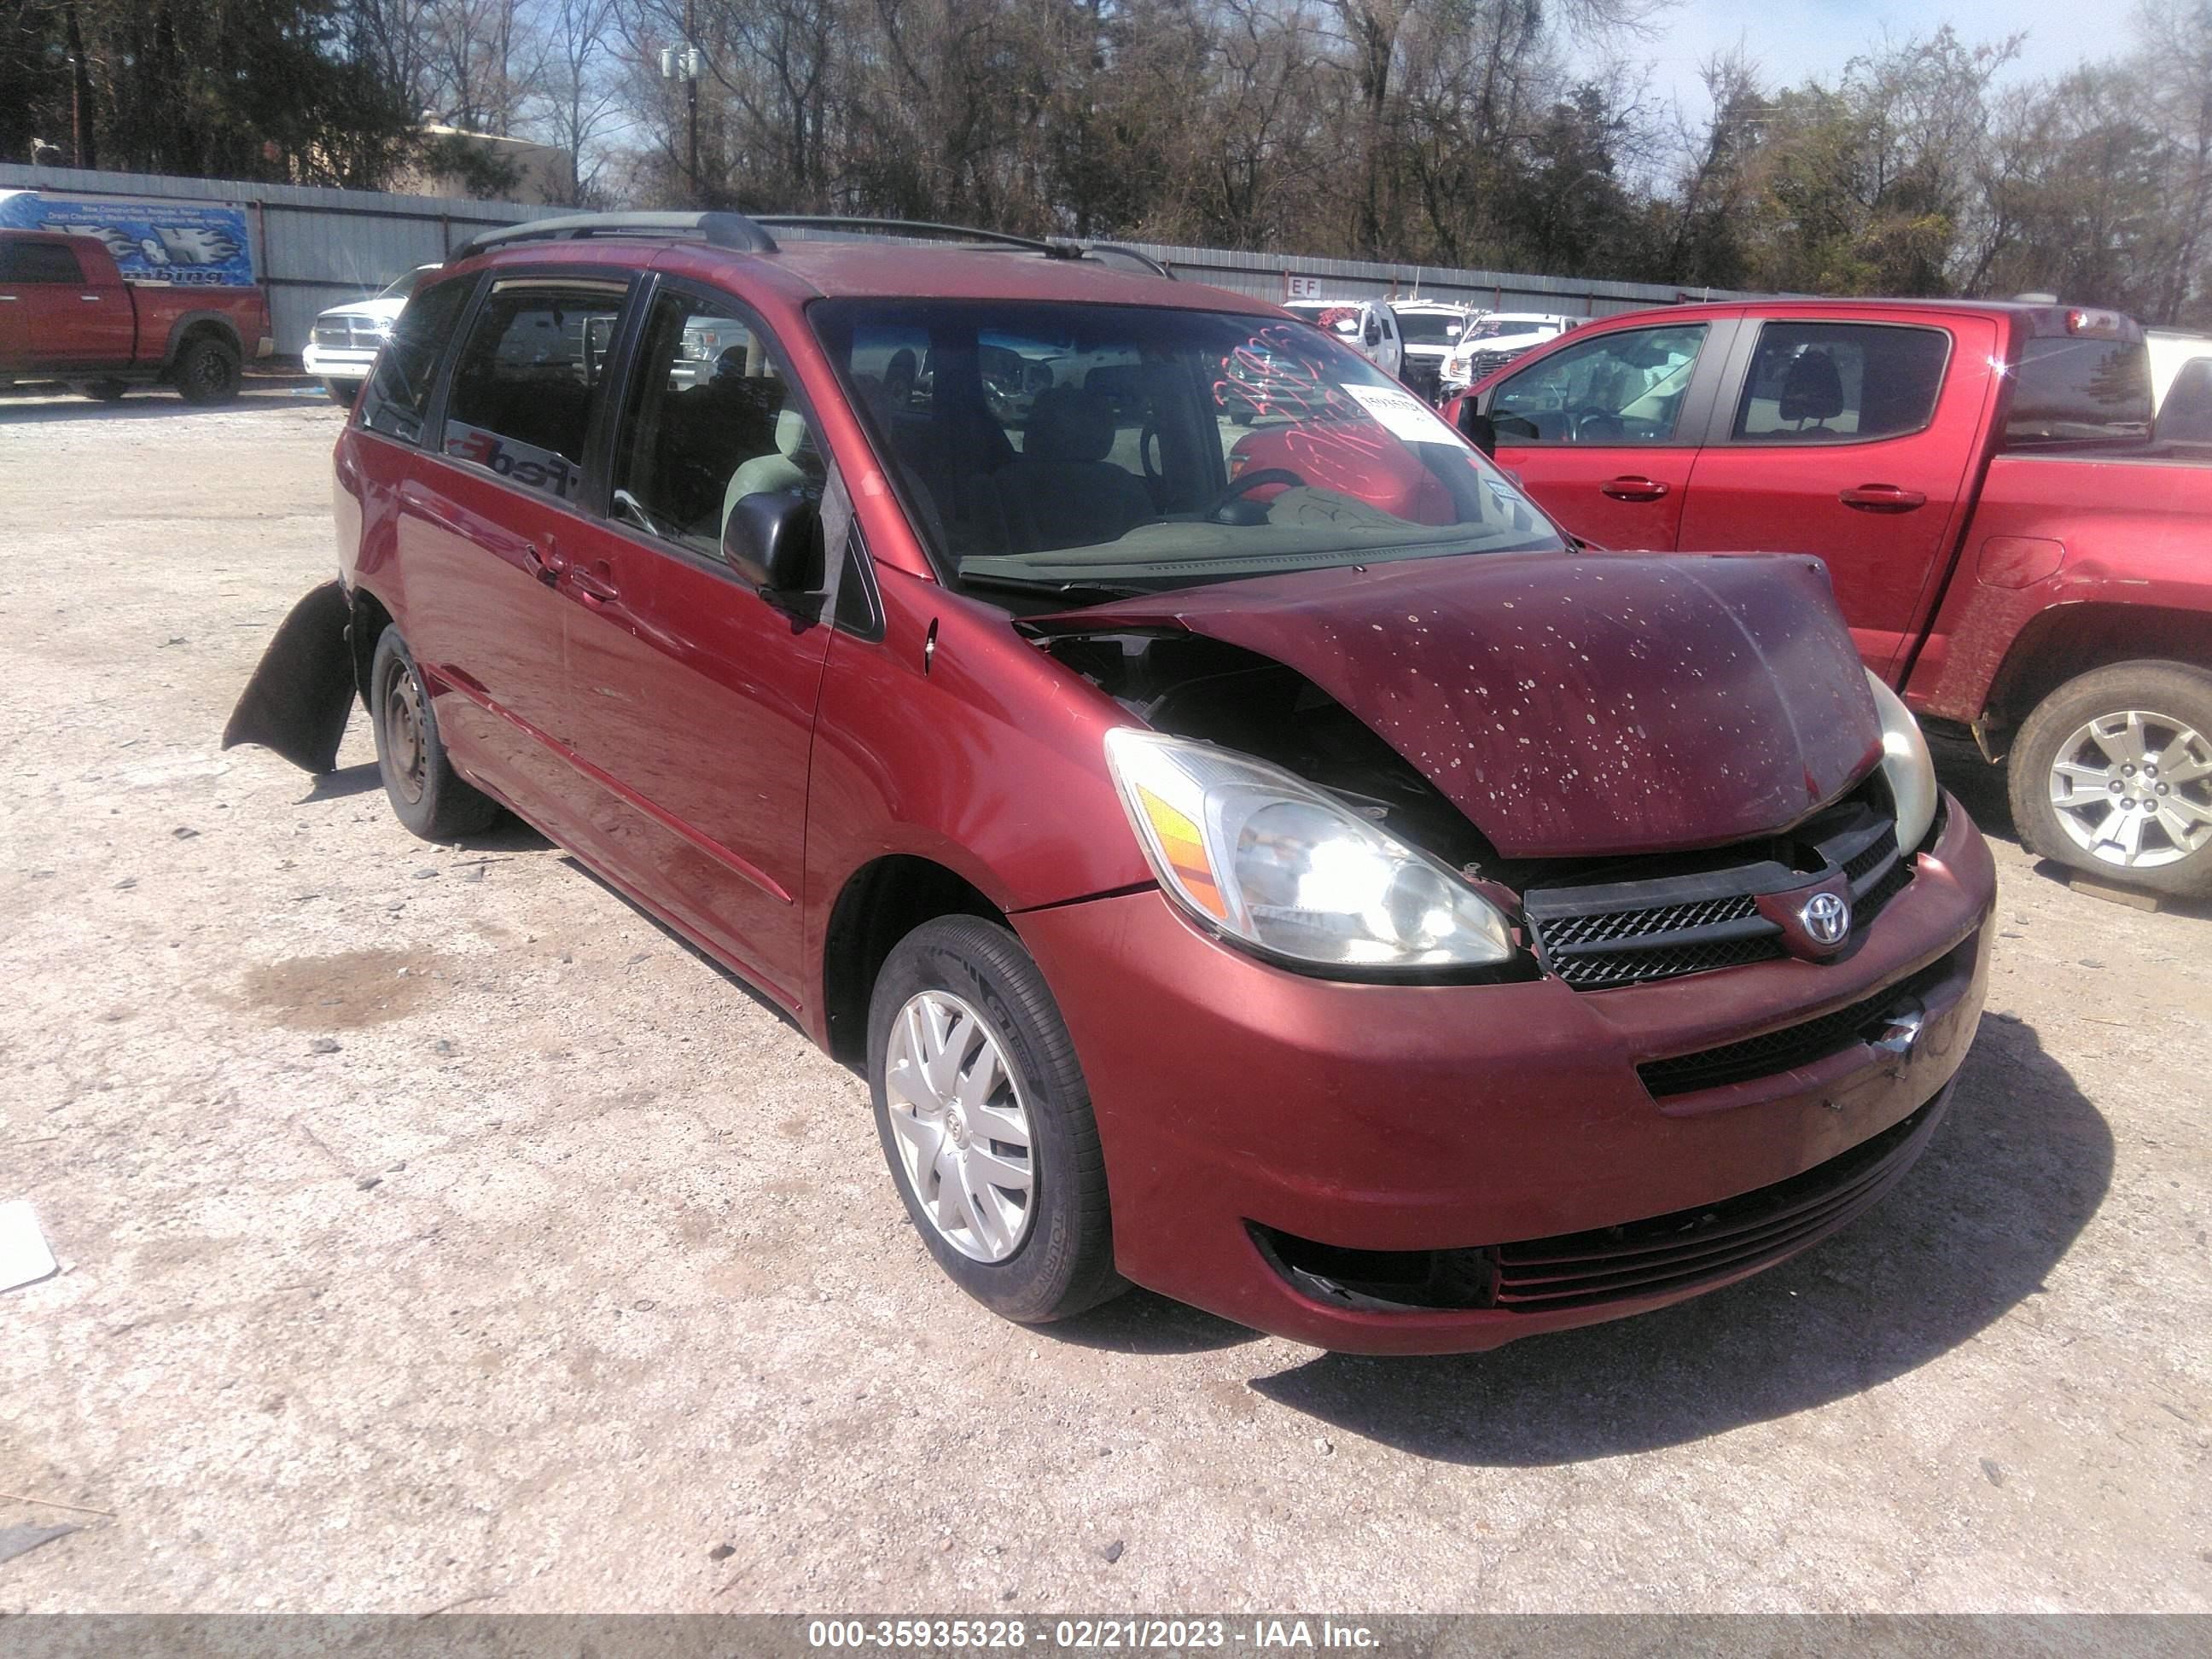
(2135, 789)
(961, 1126)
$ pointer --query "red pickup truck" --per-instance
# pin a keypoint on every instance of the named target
(67, 315)
(2016, 547)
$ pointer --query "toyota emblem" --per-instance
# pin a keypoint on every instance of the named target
(1827, 918)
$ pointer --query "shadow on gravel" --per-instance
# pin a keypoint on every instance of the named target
(2012, 1177)
(1138, 1321)
(346, 780)
(155, 403)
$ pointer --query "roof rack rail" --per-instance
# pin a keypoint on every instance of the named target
(1115, 251)
(730, 230)
(915, 228)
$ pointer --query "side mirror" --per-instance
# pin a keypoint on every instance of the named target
(774, 541)
(1477, 428)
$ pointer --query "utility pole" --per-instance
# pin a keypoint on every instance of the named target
(686, 66)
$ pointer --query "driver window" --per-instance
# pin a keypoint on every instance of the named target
(1623, 388)
(711, 420)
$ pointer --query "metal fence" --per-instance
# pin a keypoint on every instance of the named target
(316, 248)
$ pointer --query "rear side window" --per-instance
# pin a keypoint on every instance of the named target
(399, 384)
(39, 262)
(1825, 383)
(529, 379)
(2068, 389)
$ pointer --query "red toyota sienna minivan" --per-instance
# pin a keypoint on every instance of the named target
(1250, 850)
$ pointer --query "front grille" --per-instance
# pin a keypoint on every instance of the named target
(1480, 363)
(334, 335)
(1675, 1253)
(1596, 937)
(1636, 1262)
(1801, 1044)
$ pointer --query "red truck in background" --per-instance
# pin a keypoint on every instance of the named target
(2018, 549)
(66, 313)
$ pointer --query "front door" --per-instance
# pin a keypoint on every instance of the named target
(1603, 432)
(694, 697)
(486, 527)
(1850, 441)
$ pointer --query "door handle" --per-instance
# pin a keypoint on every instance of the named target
(592, 585)
(1883, 498)
(90, 298)
(1632, 488)
(546, 567)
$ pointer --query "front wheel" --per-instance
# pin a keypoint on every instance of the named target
(208, 371)
(427, 794)
(985, 1122)
(2112, 774)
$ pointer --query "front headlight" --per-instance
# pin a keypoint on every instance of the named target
(1906, 765)
(1263, 856)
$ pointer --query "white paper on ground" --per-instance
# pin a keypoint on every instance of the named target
(24, 1256)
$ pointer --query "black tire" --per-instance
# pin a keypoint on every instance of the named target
(342, 392)
(207, 370)
(426, 793)
(2175, 692)
(1065, 1261)
(103, 392)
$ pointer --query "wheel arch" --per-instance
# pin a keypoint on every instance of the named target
(879, 904)
(2069, 641)
(197, 324)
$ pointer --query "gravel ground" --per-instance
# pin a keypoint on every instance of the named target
(435, 1231)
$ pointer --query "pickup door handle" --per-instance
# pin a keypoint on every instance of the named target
(1883, 498)
(1632, 488)
(90, 298)
(592, 586)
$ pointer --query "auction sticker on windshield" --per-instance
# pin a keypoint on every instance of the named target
(1403, 416)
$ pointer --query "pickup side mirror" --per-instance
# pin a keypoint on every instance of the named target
(1477, 428)
(774, 541)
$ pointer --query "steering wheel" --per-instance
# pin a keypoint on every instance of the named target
(1230, 507)
(1596, 426)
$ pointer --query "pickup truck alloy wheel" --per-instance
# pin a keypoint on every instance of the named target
(985, 1121)
(2135, 788)
(2113, 772)
(962, 1129)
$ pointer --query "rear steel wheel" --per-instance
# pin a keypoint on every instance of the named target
(427, 794)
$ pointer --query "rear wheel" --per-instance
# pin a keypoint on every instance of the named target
(427, 794)
(207, 370)
(985, 1122)
(343, 392)
(2112, 774)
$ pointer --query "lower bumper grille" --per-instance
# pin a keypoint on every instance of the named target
(1793, 1045)
(1637, 1262)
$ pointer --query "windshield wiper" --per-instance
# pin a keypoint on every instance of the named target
(1075, 592)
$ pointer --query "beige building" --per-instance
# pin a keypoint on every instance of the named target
(540, 171)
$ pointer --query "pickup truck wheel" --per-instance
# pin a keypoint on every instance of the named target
(985, 1122)
(427, 794)
(207, 370)
(2112, 774)
(103, 392)
(343, 392)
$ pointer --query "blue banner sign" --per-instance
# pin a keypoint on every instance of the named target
(183, 244)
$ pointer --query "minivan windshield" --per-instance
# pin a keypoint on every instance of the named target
(1080, 452)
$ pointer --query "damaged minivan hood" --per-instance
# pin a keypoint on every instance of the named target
(1570, 706)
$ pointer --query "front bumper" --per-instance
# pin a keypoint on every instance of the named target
(1238, 1102)
(332, 363)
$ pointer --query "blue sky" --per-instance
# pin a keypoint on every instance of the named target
(1798, 38)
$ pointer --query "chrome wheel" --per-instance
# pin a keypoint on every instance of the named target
(402, 733)
(2135, 789)
(960, 1125)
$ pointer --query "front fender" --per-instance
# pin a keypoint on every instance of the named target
(301, 694)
